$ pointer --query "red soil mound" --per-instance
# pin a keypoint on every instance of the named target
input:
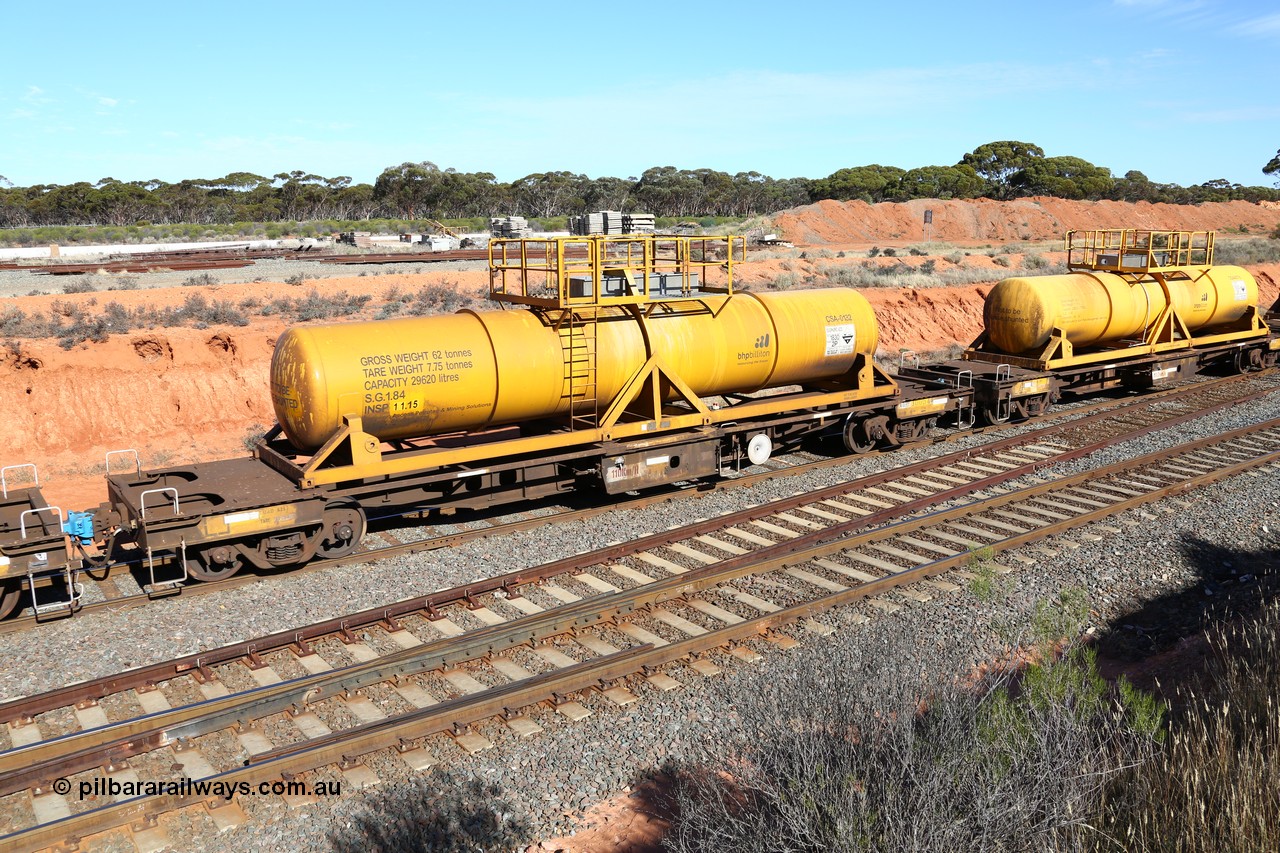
(967, 220)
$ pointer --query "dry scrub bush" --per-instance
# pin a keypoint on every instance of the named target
(1215, 784)
(88, 284)
(439, 299)
(933, 247)
(439, 813)
(845, 749)
(1254, 250)
(316, 307)
(904, 275)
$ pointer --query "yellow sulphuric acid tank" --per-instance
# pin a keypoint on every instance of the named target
(421, 376)
(1101, 307)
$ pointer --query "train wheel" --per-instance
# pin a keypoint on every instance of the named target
(990, 417)
(342, 527)
(1037, 406)
(214, 564)
(856, 439)
(10, 595)
(1247, 361)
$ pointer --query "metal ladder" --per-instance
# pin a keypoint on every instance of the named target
(62, 607)
(579, 345)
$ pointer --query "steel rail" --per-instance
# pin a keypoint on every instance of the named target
(345, 745)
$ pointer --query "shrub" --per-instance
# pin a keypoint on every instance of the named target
(438, 299)
(199, 280)
(253, 435)
(316, 307)
(440, 813)
(831, 751)
(1000, 260)
(783, 281)
(14, 323)
(296, 279)
(124, 282)
(84, 285)
(1252, 250)
(873, 251)
(118, 318)
(955, 258)
(928, 266)
(890, 253)
(1213, 785)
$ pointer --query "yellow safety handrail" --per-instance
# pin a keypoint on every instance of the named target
(601, 270)
(1138, 250)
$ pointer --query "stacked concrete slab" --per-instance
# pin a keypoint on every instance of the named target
(510, 226)
(611, 222)
(638, 223)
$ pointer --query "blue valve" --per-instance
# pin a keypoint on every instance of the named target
(80, 526)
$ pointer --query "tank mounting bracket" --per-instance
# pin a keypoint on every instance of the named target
(643, 396)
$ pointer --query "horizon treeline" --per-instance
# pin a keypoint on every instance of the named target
(997, 170)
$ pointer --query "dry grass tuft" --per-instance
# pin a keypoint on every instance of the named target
(1214, 785)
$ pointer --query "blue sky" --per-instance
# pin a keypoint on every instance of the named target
(1183, 90)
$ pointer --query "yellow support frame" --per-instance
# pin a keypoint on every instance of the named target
(368, 459)
(1166, 334)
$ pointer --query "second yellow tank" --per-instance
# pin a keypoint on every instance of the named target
(1099, 307)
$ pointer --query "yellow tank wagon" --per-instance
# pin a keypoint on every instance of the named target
(1129, 294)
(630, 358)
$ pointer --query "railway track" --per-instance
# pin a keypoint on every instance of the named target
(317, 702)
(1153, 410)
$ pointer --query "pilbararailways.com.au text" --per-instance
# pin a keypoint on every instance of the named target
(108, 787)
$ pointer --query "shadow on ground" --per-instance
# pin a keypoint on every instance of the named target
(1167, 630)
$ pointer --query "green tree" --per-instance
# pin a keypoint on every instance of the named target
(1273, 167)
(997, 163)
(939, 182)
(868, 183)
(668, 191)
(355, 202)
(607, 193)
(1063, 177)
(408, 189)
(1134, 186)
(119, 203)
(549, 193)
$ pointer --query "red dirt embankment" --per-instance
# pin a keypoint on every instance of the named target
(978, 220)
